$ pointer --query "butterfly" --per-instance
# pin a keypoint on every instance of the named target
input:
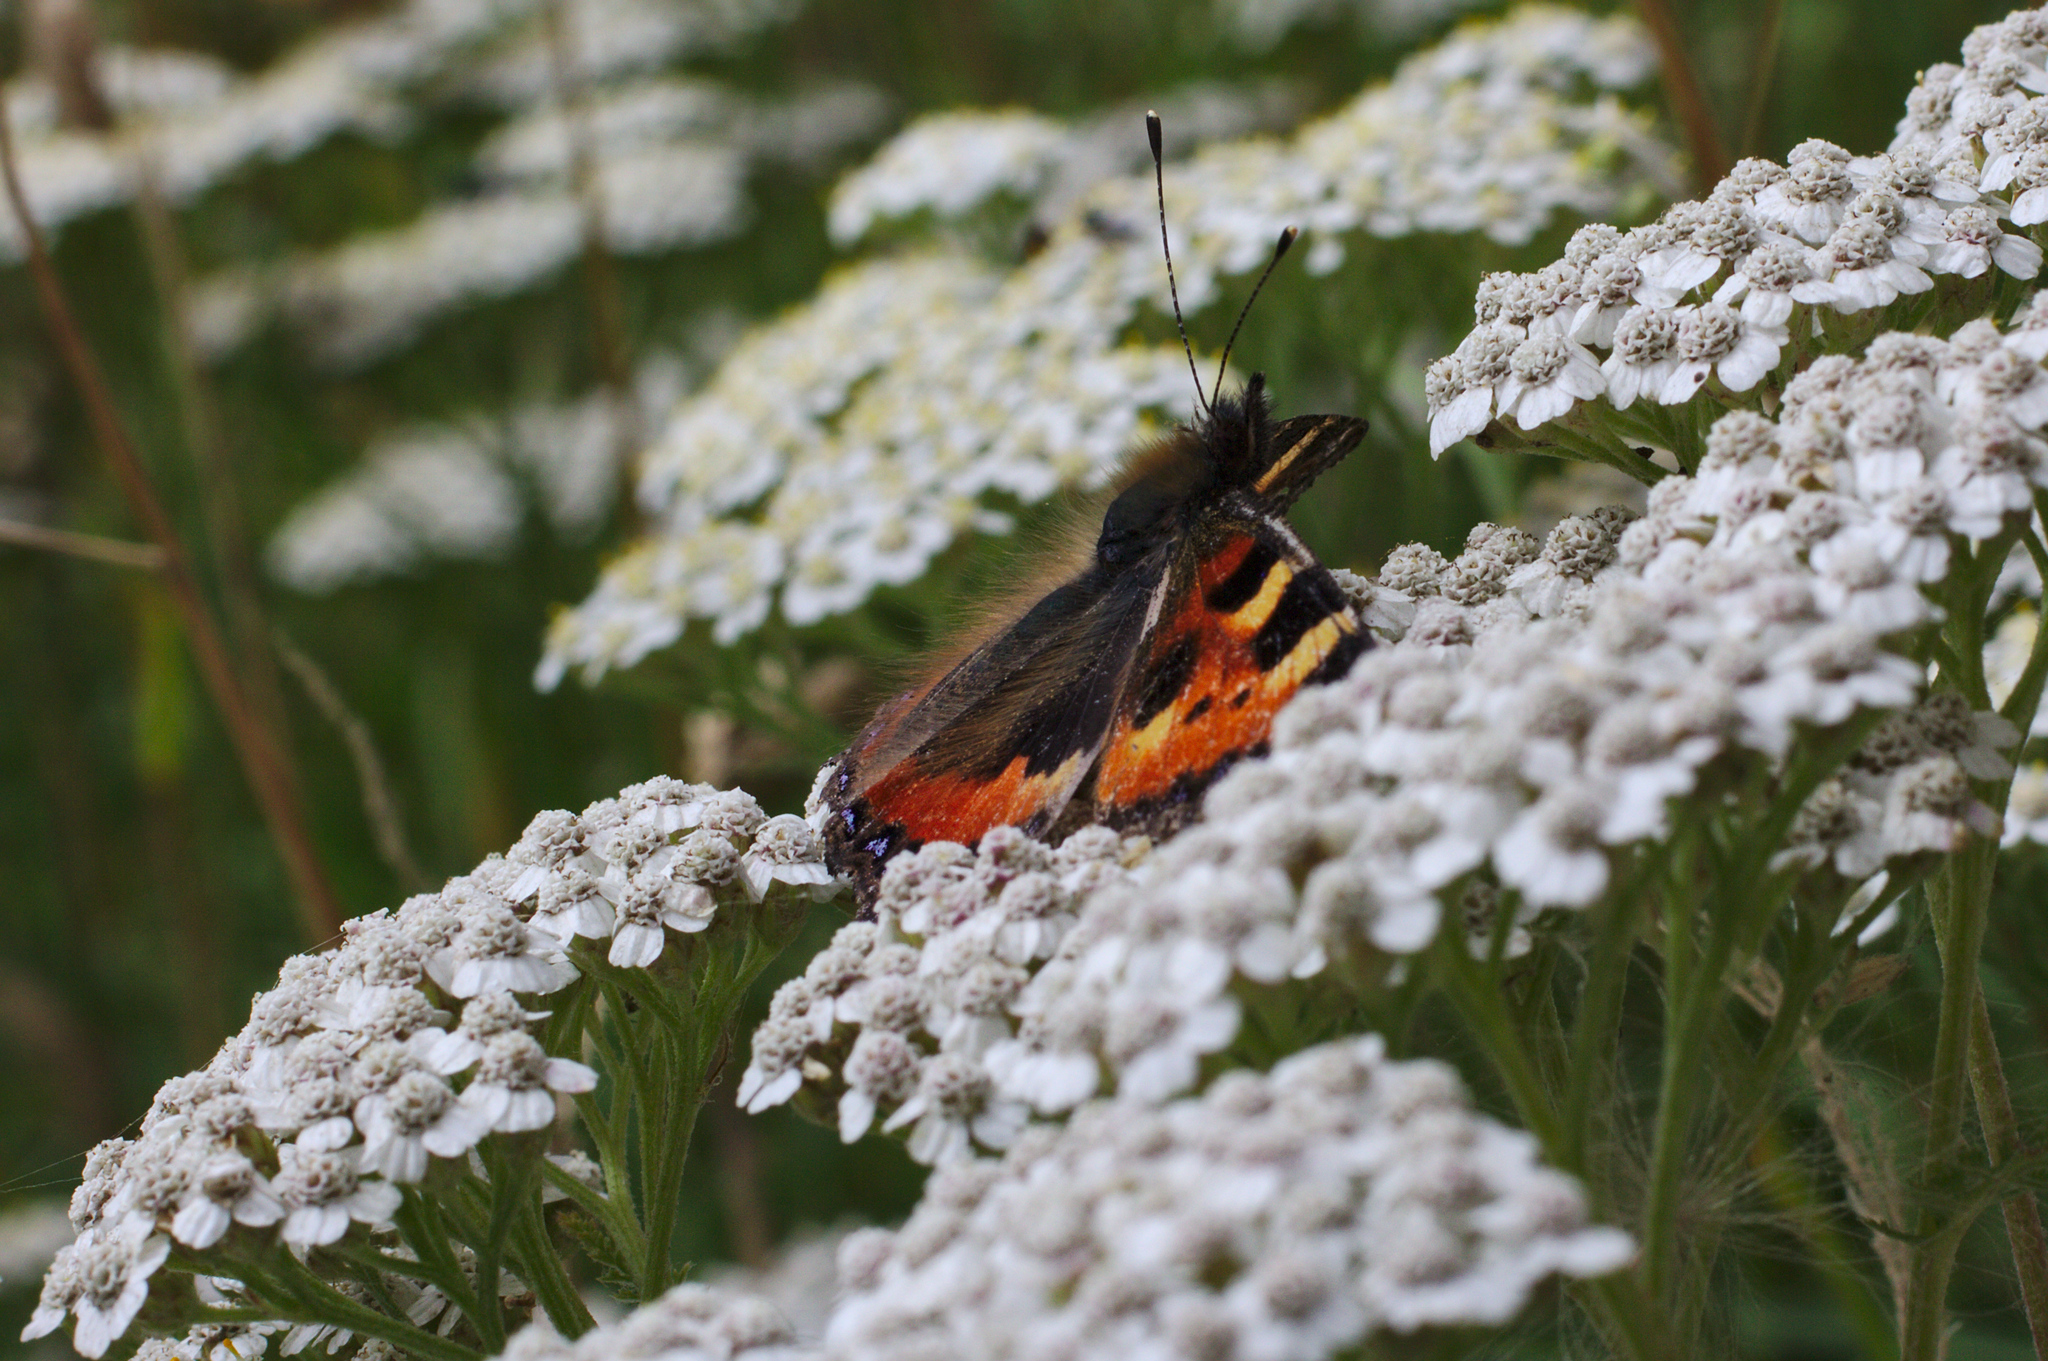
(1159, 663)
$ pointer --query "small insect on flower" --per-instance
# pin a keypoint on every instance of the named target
(1124, 693)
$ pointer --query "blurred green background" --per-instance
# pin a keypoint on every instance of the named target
(143, 901)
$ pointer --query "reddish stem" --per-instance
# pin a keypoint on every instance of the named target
(262, 762)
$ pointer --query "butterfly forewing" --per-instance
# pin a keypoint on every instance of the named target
(1004, 738)
(1301, 450)
(1246, 622)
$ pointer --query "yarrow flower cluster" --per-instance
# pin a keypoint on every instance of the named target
(1990, 104)
(671, 166)
(195, 122)
(841, 447)
(949, 166)
(458, 491)
(893, 1022)
(1290, 1214)
(411, 1043)
(1544, 709)
(1726, 293)
(1533, 711)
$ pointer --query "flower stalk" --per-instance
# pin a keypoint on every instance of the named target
(263, 763)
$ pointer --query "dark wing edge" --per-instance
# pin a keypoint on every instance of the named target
(1303, 449)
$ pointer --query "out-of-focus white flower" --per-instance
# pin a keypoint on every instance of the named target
(611, 39)
(431, 495)
(1260, 24)
(2026, 812)
(948, 162)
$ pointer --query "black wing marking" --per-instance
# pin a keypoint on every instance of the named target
(1301, 450)
(1250, 619)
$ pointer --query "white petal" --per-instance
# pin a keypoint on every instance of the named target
(1462, 417)
(533, 1108)
(635, 946)
(374, 1202)
(856, 1113)
(567, 1075)
(201, 1223)
(773, 1091)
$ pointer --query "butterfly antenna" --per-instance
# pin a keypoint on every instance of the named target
(1156, 133)
(1280, 248)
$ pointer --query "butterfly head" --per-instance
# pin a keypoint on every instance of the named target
(1232, 450)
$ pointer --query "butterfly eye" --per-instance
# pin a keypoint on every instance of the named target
(1116, 552)
(1132, 522)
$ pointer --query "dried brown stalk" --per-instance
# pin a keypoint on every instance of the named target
(380, 802)
(262, 762)
(147, 557)
(227, 534)
(600, 272)
(1688, 100)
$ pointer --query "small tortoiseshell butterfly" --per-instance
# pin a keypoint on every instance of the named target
(1123, 694)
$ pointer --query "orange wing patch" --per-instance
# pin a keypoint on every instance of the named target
(1257, 624)
(945, 805)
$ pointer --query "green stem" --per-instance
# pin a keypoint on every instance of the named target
(661, 1162)
(1747, 896)
(1596, 1030)
(1480, 1005)
(1614, 1305)
(1957, 894)
(1537, 1016)
(420, 1224)
(2002, 1141)
(514, 1177)
(2035, 549)
(706, 1048)
(1811, 958)
(1684, 962)
(615, 1213)
(322, 1303)
(1620, 1310)
(1958, 897)
(541, 1267)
